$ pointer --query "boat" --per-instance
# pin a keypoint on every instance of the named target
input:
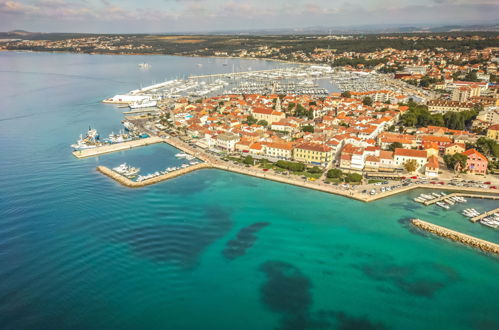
(143, 104)
(118, 138)
(127, 170)
(436, 195)
(419, 200)
(443, 205)
(427, 197)
(144, 66)
(91, 140)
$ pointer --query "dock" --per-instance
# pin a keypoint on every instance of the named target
(484, 215)
(439, 199)
(456, 236)
(108, 148)
(163, 177)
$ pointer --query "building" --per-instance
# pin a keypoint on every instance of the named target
(443, 106)
(269, 115)
(493, 132)
(226, 141)
(441, 141)
(280, 150)
(455, 148)
(432, 167)
(401, 156)
(476, 162)
(312, 153)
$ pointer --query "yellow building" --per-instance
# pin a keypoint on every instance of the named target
(313, 153)
(455, 148)
(493, 132)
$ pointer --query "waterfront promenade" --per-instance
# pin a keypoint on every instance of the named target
(211, 161)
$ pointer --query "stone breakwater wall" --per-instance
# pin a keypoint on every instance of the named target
(478, 243)
(134, 184)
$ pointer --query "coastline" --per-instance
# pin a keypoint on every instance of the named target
(160, 54)
(213, 162)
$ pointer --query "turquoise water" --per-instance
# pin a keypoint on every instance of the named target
(209, 250)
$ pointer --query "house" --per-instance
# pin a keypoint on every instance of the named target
(372, 163)
(401, 156)
(455, 148)
(313, 153)
(493, 132)
(441, 141)
(431, 167)
(476, 162)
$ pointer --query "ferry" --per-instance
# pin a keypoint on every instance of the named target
(91, 140)
(127, 170)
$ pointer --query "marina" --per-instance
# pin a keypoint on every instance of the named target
(127, 182)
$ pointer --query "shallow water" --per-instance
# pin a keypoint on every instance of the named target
(211, 249)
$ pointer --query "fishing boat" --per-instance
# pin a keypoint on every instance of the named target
(127, 170)
(91, 140)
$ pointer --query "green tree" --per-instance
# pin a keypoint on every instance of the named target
(346, 94)
(248, 160)
(367, 101)
(334, 173)
(250, 120)
(308, 128)
(411, 165)
(394, 146)
(452, 160)
(315, 170)
(353, 177)
(263, 123)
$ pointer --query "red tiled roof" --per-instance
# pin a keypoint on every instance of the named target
(410, 153)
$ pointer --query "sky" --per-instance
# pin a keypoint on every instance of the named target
(170, 16)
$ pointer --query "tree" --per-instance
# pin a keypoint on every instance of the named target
(346, 94)
(308, 128)
(394, 146)
(353, 177)
(411, 165)
(488, 147)
(262, 123)
(250, 120)
(248, 160)
(334, 173)
(367, 101)
(451, 161)
(314, 170)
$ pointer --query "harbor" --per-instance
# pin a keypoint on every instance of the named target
(472, 241)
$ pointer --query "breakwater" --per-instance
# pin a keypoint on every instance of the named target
(108, 148)
(472, 241)
(163, 177)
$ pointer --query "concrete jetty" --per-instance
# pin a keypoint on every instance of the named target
(472, 241)
(163, 177)
(108, 148)
(484, 215)
(460, 194)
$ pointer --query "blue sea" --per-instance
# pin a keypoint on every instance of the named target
(211, 249)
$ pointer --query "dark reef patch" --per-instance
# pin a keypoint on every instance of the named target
(420, 279)
(287, 292)
(177, 243)
(243, 241)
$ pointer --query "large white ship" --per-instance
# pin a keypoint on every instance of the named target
(126, 99)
